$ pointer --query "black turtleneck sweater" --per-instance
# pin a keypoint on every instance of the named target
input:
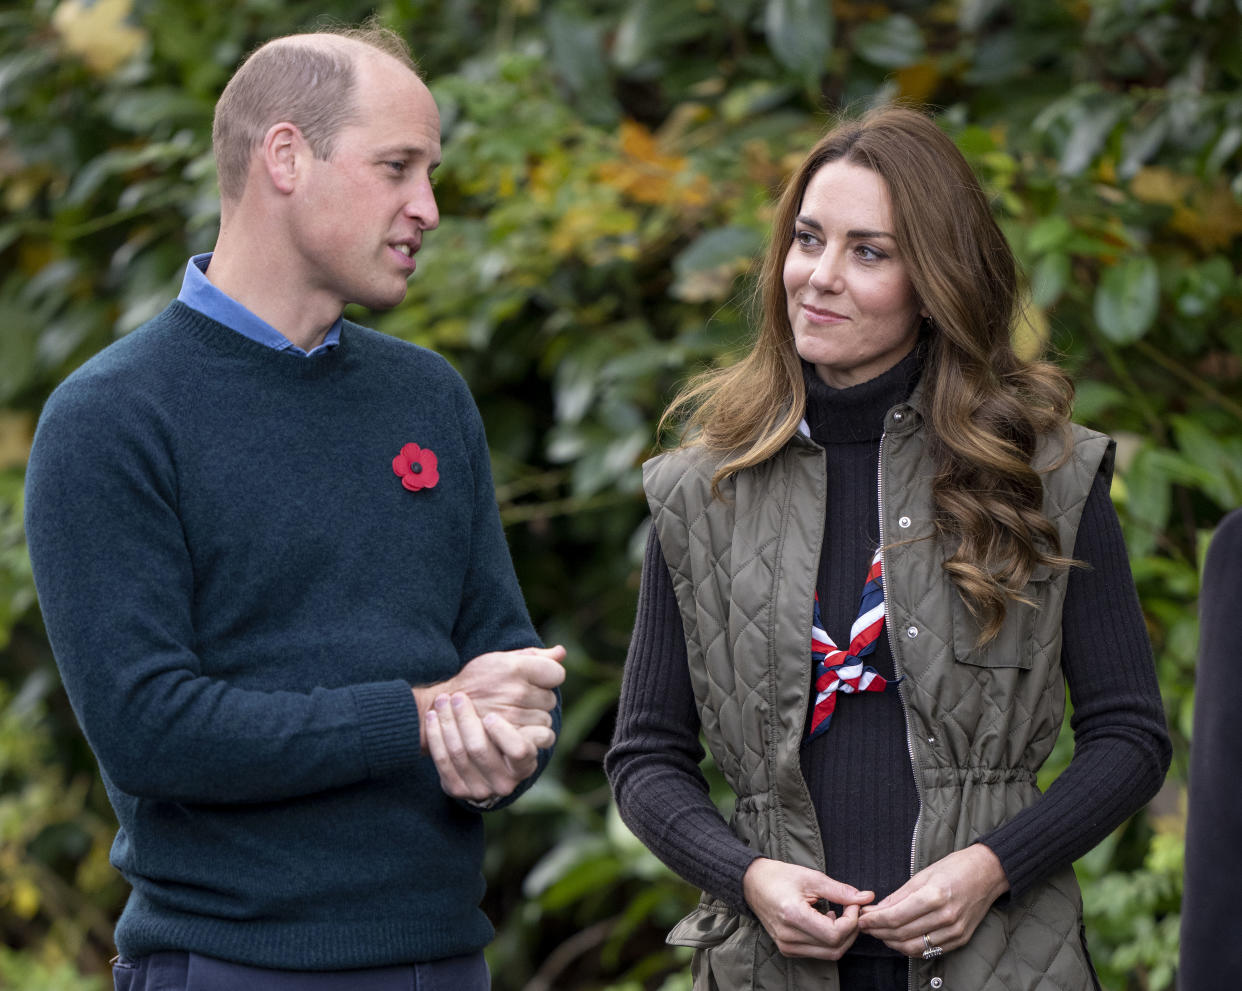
(859, 770)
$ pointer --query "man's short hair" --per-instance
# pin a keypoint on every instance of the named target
(305, 79)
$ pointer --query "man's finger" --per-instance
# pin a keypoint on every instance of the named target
(540, 737)
(556, 652)
(531, 704)
(520, 755)
(501, 767)
(458, 753)
(508, 739)
(450, 780)
(541, 670)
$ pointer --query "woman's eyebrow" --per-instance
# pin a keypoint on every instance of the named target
(868, 235)
(854, 235)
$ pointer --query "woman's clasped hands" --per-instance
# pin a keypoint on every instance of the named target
(941, 906)
(787, 899)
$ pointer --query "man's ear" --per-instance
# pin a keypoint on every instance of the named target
(284, 153)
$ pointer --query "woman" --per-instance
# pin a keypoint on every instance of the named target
(882, 435)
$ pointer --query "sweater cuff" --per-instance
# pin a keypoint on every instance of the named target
(388, 721)
(739, 861)
(1016, 860)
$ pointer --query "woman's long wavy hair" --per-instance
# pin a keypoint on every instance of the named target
(986, 408)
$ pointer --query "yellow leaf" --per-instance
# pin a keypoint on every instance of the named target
(97, 32)
(1156, 184)
(919, 81)
(1106, 171)
(1207, 214)
(1030, 335)
(1212, 219)
(548, 176)
(506, 186)
(647, 174)
(16, 433)
(25, 898)
(584, 225)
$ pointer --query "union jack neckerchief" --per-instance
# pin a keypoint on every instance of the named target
(838, 670)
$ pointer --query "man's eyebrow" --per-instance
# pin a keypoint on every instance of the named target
(404, 151)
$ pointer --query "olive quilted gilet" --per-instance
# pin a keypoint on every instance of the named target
(980, 721)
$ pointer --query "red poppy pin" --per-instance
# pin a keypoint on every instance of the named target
(417, 467)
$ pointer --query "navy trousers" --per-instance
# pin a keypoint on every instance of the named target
(180, 971)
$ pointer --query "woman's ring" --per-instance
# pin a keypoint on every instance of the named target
(932, 950)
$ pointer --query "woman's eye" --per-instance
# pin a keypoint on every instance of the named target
(805, 238)
(868, 253)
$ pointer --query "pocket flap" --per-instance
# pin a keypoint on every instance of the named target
(705, 927)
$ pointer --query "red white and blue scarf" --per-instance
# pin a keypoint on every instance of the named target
(838, 670)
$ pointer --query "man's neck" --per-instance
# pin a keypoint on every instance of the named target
(264, 287)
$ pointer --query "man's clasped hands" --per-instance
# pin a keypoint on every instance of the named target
(485, 726)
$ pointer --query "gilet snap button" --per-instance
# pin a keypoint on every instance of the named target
(912, 632)
(937, 982)
(904, 522)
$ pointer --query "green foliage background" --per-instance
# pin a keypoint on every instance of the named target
(608, 175)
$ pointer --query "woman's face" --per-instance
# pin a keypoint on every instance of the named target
(852, 307)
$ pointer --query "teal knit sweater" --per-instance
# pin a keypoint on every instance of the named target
(239, 593)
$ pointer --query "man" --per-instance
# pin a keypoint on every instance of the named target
(273, 574)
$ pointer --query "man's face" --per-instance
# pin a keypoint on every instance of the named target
(360, 216)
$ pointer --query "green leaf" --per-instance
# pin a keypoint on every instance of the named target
(578, 54)
(753, 98)
(892, 43)
(561, 861)
(160, 111)
(707, 268)
(651, 25)
(1092, 399)
(1148, 498)
(998, 58)
(1218, 460)
(1048, 234)
(1228, 142)
(1140, 144)
(800, 34)
(1090, 127)
(1049, 278)
(1202, 289)
(1126, 299)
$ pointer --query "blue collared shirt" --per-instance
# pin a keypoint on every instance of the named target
(199, 294)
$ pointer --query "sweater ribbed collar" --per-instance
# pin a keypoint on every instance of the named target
(856, 413)
(223, 341)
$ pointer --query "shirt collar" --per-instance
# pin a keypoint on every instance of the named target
(199, 294)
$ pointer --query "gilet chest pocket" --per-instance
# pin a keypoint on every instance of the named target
(1015, 646)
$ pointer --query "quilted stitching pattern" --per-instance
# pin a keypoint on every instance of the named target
(743, 569)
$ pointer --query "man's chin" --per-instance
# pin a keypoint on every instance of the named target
(378, 302)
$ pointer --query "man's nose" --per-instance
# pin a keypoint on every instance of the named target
(422, 207)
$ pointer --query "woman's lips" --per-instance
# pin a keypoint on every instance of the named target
(816, 315)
